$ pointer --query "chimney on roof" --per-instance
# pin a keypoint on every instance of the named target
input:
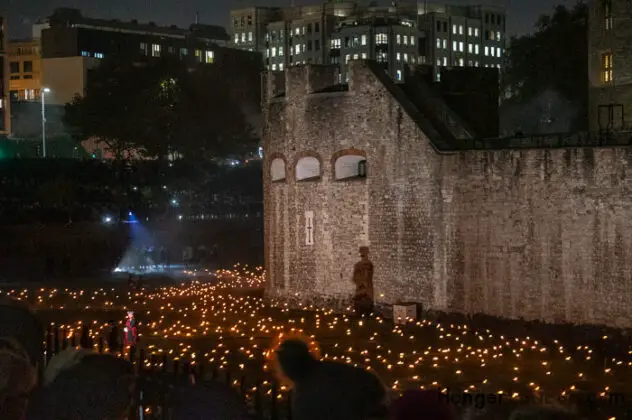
(197, 17)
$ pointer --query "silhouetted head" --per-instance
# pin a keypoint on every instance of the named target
(19, 323)
(86, 385)
(130, 314)
(364, 251)
(17, 379)
(295, 359)
(421, 405)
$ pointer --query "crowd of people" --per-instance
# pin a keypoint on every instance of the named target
(81, 384)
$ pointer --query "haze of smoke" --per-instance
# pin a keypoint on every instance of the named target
(547, 113)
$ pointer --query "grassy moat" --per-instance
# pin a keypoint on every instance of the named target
(227, 325)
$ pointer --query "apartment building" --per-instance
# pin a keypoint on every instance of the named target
(609, 65)
(25, 70)
(395, 35)
(73, 44)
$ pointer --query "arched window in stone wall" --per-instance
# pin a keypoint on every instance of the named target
(277, 170)
(349, 165)
(307, 167)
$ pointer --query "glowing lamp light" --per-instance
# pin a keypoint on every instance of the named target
(107, 220)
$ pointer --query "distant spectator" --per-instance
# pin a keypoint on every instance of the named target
(329, 390)
(421, 405)
(17, 379)
(85, 385)
(542, 413)
(18, 322)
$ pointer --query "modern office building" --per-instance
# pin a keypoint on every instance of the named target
(25, 70)
(395, 35)
(5, 114)
(609, 65)
(73, 45)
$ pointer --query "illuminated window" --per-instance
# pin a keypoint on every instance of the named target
(399, 39)
(280, 51)
(399, 75)
(606, 66)
(445, 44)
(475, 31)
(454, 45)
(454, 29)
(210, 57)
(461, 62)
(155, 50)
(461, 46)
(236, 38)
(250, 36)
(381, 39)
(438, 42)
(412, 40)
(469, 31)
(470, 48)
(607, 12)
(363, 39)
(476, 49)
(486, 51)
(460, 29)
(274, 52)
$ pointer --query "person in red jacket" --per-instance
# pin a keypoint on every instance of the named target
(130, 330)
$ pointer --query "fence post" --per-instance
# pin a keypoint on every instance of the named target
(274, 415)
(56, 338)
(84, 342)
(64, 342)
(242, 386)
(258, 404)
(49, 343)
(289, 404)
(73, 339)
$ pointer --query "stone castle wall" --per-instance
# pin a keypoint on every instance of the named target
(535, 234)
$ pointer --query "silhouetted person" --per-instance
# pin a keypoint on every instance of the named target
(113, 339)
(329, 390)
(363, 280)
(18, 377)
(84, 385)
(207, 400)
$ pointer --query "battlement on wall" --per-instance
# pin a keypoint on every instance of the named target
(302, 80)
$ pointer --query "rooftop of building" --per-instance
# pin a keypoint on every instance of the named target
(67, 17)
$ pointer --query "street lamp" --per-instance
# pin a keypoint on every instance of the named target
(44, 92)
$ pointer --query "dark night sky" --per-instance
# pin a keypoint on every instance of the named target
(522, 13)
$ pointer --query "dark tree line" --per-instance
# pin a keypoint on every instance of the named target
(547, 70)
(160, 107)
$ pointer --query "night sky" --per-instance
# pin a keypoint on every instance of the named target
(22, 13)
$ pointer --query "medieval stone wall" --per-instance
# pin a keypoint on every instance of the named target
(535, 234)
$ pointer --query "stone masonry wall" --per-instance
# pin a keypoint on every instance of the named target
(534, 234)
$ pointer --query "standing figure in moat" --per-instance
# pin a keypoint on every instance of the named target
(363, 280)
(130, 330)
